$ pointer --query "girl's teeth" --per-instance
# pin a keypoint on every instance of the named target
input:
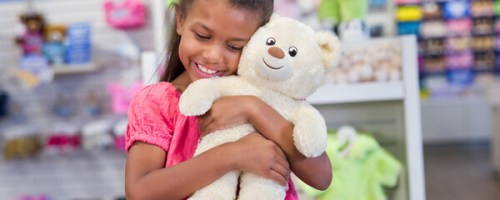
(205, 70)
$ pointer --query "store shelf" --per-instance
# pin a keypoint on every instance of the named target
(74, 69)
(361, 92)
(94, 175)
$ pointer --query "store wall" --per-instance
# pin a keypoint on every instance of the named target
(107, 43)
(66, 175)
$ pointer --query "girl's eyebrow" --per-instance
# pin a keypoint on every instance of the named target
(233, 39)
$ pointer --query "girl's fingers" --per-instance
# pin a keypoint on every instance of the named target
(282, 171)
(282, 160)
(278, 178)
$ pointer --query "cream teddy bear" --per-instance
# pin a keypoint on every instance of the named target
(284, 62)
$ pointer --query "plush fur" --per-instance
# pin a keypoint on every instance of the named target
(303, 57)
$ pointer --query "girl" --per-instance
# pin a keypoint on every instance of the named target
(208, 39)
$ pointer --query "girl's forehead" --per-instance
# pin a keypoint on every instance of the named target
(219, 16)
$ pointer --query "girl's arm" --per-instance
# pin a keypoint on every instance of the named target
(146, 177)
(233, 110)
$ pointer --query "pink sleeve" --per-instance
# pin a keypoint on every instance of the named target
(150, 117)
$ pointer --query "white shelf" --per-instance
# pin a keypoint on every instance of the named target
(74, 69)
(361, 92)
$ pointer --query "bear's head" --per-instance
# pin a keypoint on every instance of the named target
(288, 56)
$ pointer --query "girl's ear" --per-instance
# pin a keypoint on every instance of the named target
(179, 18)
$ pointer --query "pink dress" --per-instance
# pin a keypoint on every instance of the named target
(154, 118)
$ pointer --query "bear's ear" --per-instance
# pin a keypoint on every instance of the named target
(330, 49)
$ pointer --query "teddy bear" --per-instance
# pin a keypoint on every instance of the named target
(284, 62)
(31, 39)
(53, 48)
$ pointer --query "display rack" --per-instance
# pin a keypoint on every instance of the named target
(389, 110)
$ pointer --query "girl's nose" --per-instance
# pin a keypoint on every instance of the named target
(213, 53)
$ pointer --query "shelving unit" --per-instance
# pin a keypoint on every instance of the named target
(74, 69)
(389, 110)
(457, 45)
(73, 175)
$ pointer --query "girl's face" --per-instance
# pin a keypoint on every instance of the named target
(212, 37)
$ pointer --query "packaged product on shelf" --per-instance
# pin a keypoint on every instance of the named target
(460, 60)
(482, 8)
(34, 70)
(378, 63)
(96, 135)
(78, 44)
(31, 39)
(456, 9)
(431, 10)
(119, 134)
(20, 141)
(125, 15)
(64, 137)
(408, 13)
(459, 27)
(460, 77)
(53, 48)
(4, 100)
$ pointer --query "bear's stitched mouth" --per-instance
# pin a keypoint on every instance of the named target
(275, 68)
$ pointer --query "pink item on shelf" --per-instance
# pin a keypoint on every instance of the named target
(122, 95)
(459, 60)
(498, 44)
(63, 141)
(129, 14)
(459, 27)
(402, 2)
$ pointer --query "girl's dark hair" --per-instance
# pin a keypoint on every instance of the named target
(173, 65)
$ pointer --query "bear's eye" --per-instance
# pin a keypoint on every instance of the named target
(293, 51)
(270, 41)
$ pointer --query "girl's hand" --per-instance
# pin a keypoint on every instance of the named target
(227, 111)
(262, 157)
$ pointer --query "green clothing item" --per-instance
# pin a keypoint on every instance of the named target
(361, 175)
(497, 7)
(338, 11)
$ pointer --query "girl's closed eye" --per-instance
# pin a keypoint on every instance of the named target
(202, 36)
(234, 47)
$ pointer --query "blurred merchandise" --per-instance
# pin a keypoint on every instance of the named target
(78, 44)
(64, 137)
(62, 106)
(364, 170)
(20, 141)
(119, 130)
(125, 15)
(347, 16)
(31, 39)
(4, 102)
(458, 41)
(378, 63)
(96, 135)
(34, 71)
(53, 48)
(93, 105)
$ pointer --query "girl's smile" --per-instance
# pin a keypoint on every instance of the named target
(206, 71)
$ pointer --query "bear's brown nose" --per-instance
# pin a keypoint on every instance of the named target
(276, 52)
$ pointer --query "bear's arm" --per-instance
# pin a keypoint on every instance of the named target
(199, 96)
(309, 133)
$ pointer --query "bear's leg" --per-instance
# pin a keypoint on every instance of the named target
(253, 187)
(223, 188)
